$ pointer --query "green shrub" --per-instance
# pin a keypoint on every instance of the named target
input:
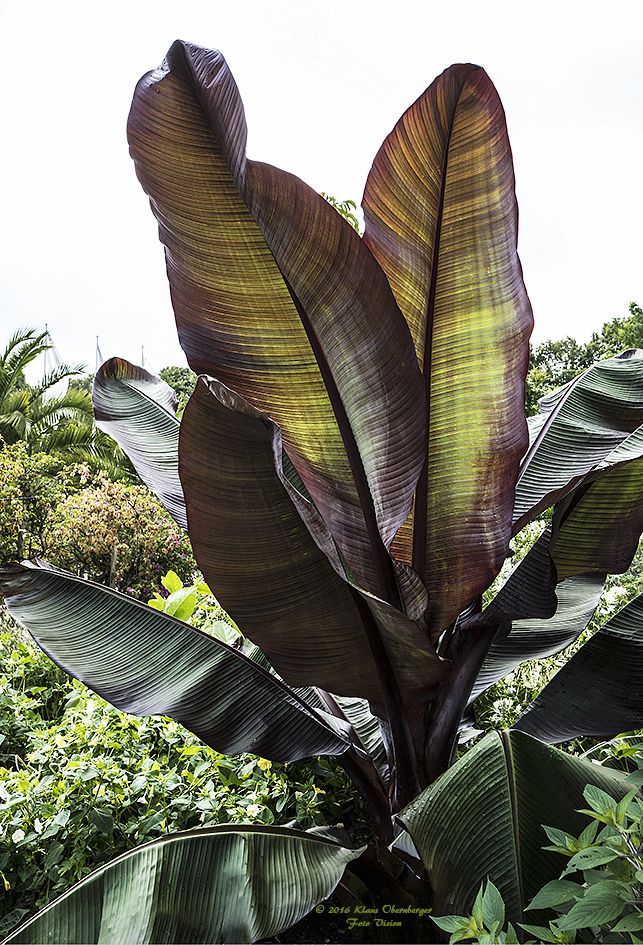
(485, 922)
(120, 535)
(31, 486)
(605, 897)
(77, 519)
(81, 782)
(599, 895)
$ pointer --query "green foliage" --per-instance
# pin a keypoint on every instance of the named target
(196, 605)
(618, 335)
(554, 363)
(65, 513)
(183, 381)
(345, 208)
(599, 894)
(31, 487)
(50, 422)
(485, 922)
(34, 413)
(120, 535)
(82, 383)
(606, 895)
(81, 783)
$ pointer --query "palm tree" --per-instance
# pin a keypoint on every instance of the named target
(26, 411)
(49, 422)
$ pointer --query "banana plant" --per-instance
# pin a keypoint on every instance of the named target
(351, 469)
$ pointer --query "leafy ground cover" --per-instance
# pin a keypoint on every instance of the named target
(81, 782)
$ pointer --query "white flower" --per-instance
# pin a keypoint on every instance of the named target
(18, 835)
(254, 810)
(501, 709)
(612, 596)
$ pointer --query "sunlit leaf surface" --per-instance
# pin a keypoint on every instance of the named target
(231, 883)
(441, 220)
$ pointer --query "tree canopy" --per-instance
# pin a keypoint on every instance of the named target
(554, 363)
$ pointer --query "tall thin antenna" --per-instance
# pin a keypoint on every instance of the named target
(99, 356)
(45, 364)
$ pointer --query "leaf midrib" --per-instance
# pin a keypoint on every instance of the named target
(420, 518)
(513, 806)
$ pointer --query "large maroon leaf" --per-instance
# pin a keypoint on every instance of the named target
(147, 662)
(280, 579)
(276, 295)
(441, 219)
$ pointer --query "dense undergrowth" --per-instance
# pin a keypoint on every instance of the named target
(81, 782)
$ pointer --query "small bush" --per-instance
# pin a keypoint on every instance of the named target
(118, 534)
(31, 486)
(599, 895)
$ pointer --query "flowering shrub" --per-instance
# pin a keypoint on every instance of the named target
(118, 534)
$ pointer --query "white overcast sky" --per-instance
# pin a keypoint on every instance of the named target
(323, 82)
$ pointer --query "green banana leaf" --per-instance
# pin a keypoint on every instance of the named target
(586, 421)
(274, 295)
(138, 410)
(599, 691)
(227, 883)
(146, 662)
(441, 220)
(536, 639)
(483, 819)
(602, 524)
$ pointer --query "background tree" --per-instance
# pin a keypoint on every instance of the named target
(31, 486)
(80, 519)
(82, 383)
(34, 413)
(554, 363)
(50, 422)
(182, 380)
(120, 535)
